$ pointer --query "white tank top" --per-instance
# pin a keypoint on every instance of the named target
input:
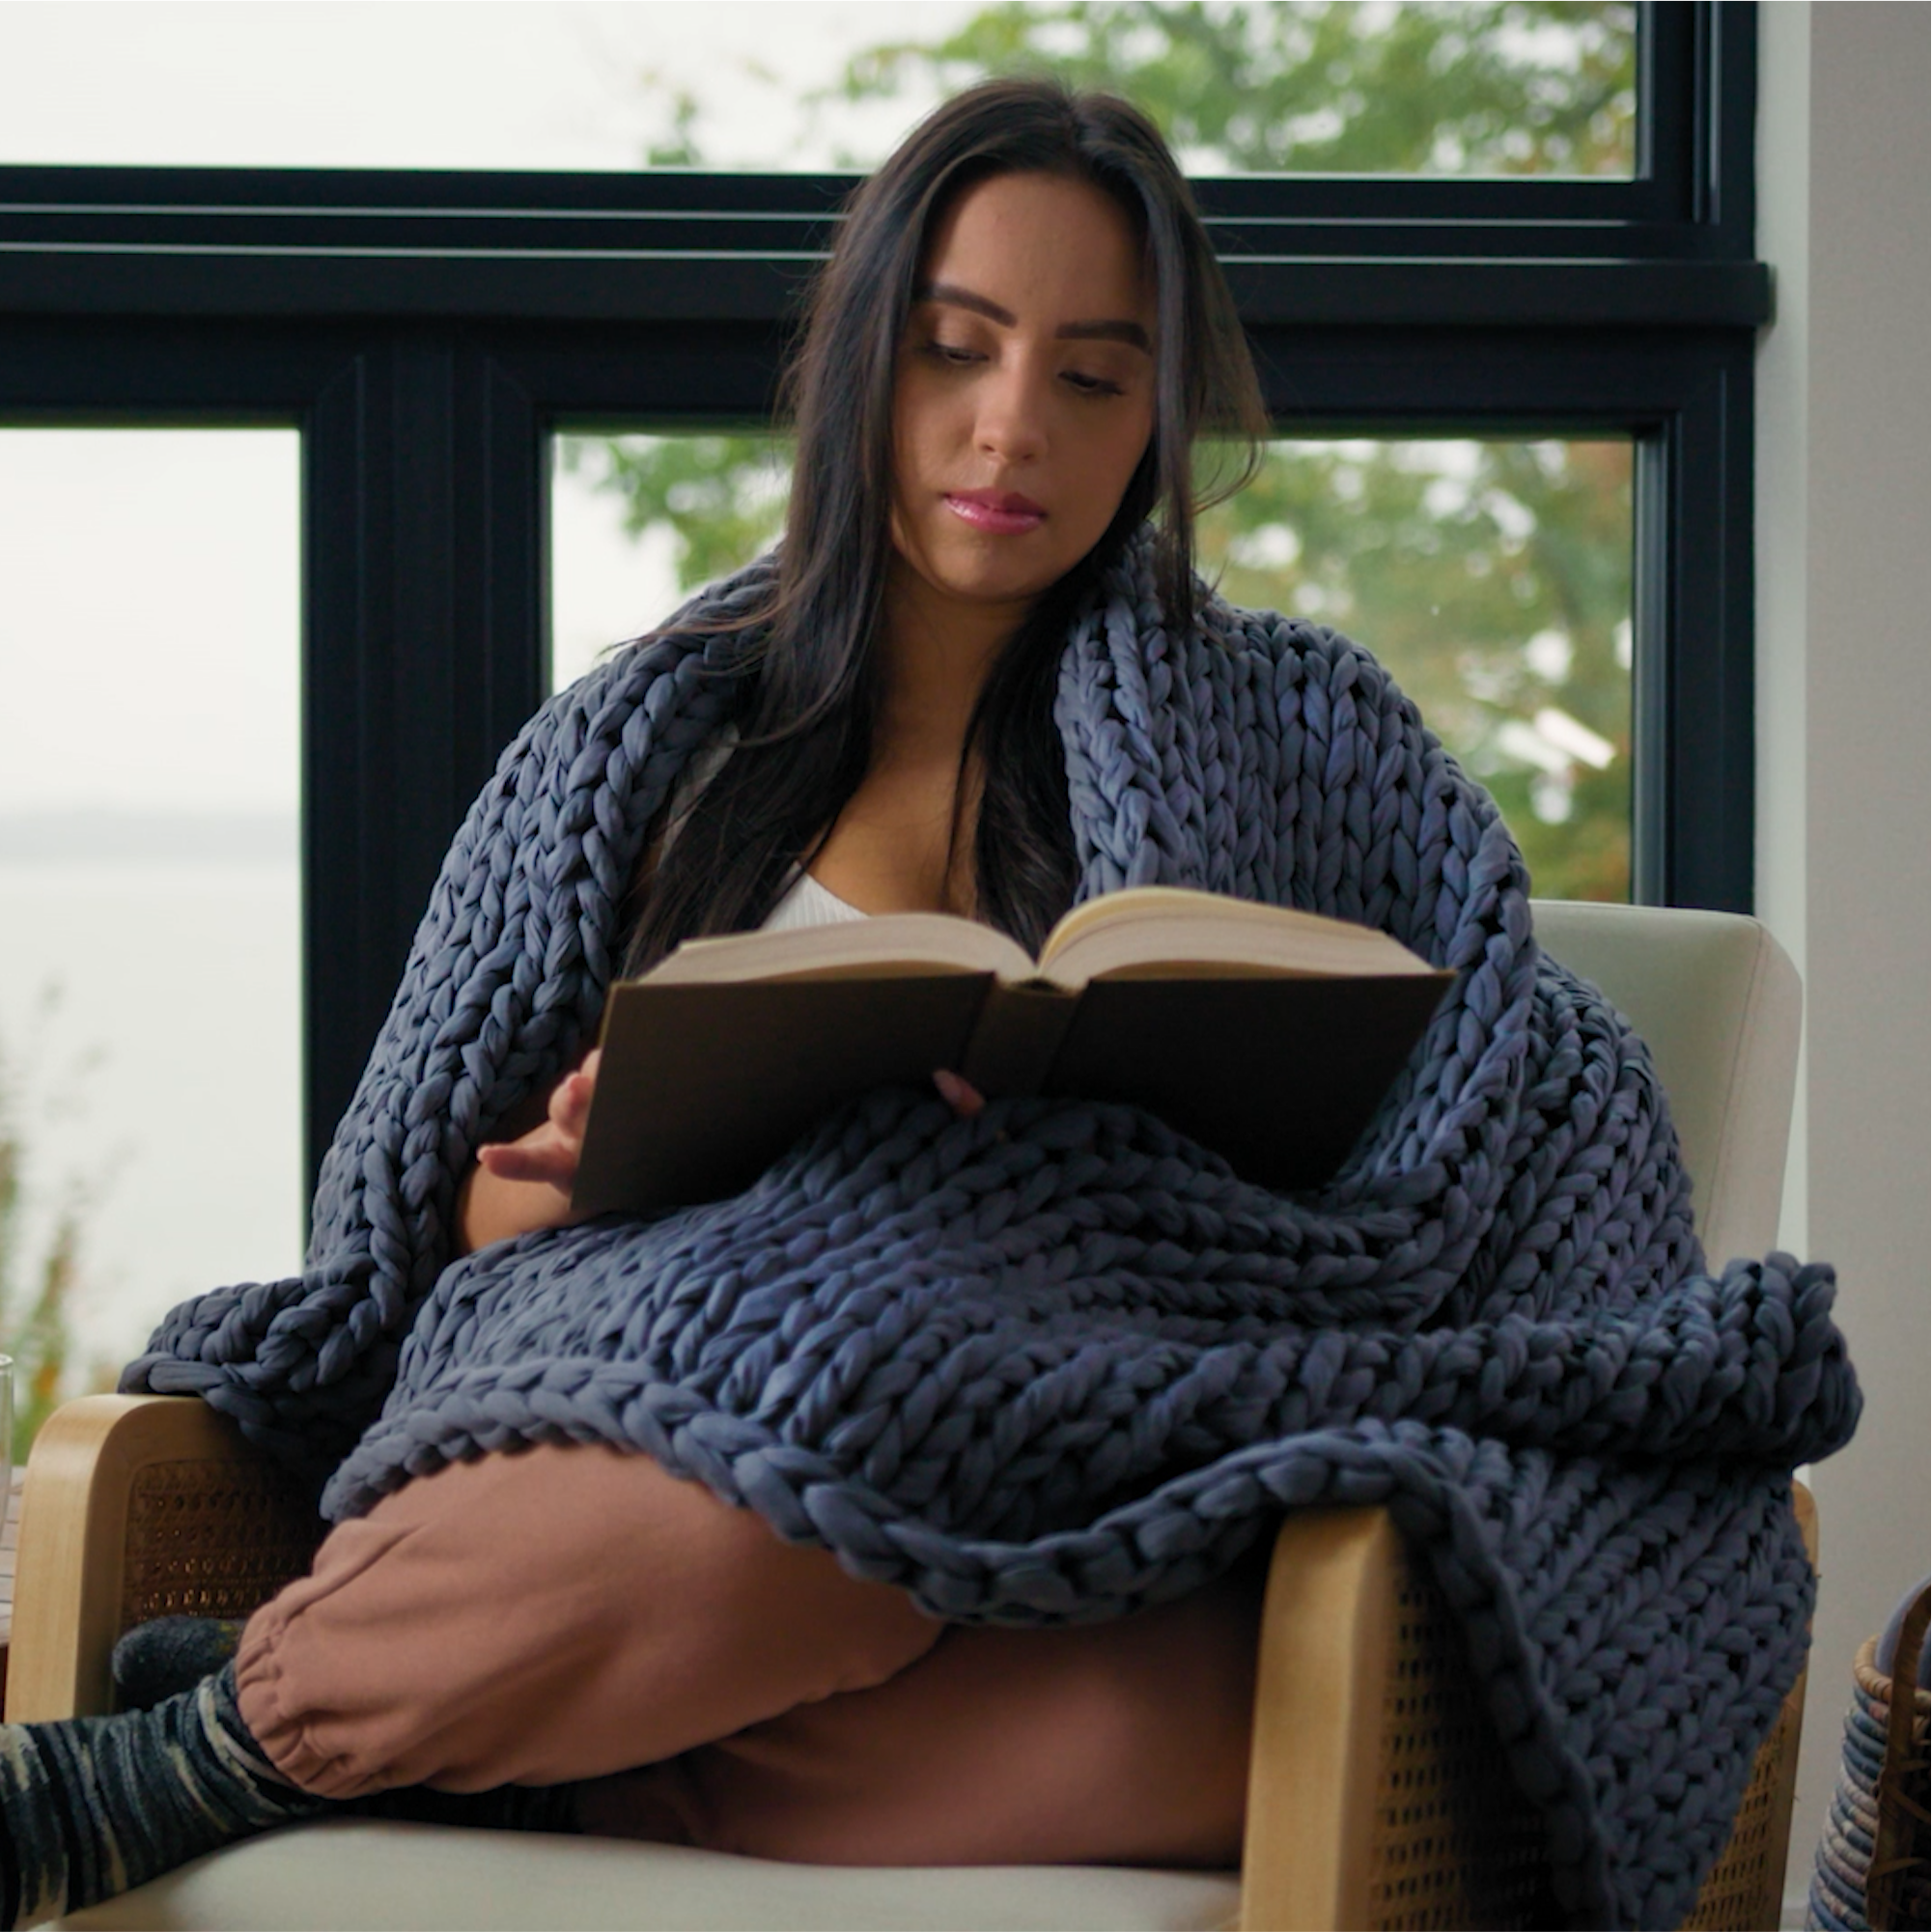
(805, 902)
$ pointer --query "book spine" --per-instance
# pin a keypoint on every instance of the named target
(1017, 1036)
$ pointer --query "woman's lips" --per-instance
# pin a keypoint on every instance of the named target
(1002, 512)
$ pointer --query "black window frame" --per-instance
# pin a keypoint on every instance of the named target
(427, 332)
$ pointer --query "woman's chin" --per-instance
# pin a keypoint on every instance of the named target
(993, 582)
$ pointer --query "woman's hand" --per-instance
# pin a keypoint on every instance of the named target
(522, 1185)
(549, 1153)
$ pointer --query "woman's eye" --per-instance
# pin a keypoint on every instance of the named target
(1093, 386)
(954, 355)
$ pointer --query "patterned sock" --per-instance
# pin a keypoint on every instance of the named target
(171, 1654)
(91, 1807)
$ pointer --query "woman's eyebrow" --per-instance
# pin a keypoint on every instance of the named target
(1129, 333)
(954, 296)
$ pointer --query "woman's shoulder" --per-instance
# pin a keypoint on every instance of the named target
(710, 631)
(1232, 655)
(1260, 631)
(1275, 644)
(1219, 627)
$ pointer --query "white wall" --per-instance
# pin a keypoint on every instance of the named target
(1844, 668)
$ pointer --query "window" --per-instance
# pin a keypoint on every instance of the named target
(150, 889)
(1493, 578)
(430, 333)
(1443, 87)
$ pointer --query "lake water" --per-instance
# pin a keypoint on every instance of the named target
(148, 849)
(180, 980)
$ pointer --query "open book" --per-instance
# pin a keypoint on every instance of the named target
(1266, 1034)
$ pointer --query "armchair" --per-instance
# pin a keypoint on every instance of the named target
(1377, 1795)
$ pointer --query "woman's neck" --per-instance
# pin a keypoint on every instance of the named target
(893, 847)
(938, 654)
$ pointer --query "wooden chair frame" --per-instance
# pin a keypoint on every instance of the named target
(1377, 1796)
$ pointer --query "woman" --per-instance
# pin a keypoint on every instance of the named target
(1025, 325)
(1038, 1364)
(1065, 328)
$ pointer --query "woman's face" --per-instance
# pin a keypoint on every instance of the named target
(1024, 394)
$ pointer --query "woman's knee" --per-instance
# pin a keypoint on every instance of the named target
(555, 1614)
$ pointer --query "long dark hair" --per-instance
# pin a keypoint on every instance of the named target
(812, 679)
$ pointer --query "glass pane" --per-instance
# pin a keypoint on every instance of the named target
(1456, 87)
(638, 522)
(1493, 578)
(150, 983)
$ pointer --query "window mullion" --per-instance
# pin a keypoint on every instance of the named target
(423, 656)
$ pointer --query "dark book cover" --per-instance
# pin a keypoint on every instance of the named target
(703, 1085)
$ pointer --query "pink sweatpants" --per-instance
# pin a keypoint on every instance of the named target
(565, 1614)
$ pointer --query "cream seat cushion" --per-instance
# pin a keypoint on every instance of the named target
(356, 1873)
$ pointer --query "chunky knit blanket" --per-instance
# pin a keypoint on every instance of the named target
(1058, 1363)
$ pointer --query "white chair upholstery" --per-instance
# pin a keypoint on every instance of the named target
(1717, 999)
(423, 1878)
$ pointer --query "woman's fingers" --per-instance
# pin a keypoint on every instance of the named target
(570, 1104)
(543, 1155)
(511, 1161)
(549, 1153)
(960, 1095)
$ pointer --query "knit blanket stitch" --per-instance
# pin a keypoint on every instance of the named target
(1058, 1363)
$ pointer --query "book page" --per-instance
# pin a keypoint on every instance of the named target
(1167, 932)
(890, 945)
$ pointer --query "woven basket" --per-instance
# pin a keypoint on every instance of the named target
(1872, 1873)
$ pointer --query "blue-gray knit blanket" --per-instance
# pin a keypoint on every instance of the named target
(1058, 1363)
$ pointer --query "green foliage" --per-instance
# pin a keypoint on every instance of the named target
(722, 497)
(679, 145)
(37, 1286)
(1517, 87)
(1494, 580)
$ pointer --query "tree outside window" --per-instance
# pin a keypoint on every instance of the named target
(1493, 577)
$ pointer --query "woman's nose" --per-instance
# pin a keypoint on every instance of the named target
(1012, 424)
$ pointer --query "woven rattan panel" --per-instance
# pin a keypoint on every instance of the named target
(213, 1539)
(1456, 1845)
(1743, 1888)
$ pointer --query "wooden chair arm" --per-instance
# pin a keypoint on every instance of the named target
(1377, 1792)
(1377, 1796)
(138, 1506)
